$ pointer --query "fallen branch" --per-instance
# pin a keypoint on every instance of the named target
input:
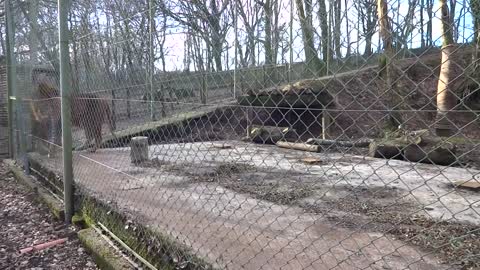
(43, 246)
(359, 143)
(299, 146)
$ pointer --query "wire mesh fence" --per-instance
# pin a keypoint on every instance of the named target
(277, 134)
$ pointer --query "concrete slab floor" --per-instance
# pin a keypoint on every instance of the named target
(184, 192)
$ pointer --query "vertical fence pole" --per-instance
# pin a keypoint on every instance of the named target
(65, 89)
(11, 75)
(151, 65)
(13, 92)
(129, 114)
(236, 50)
(203, 96)
(291, 43)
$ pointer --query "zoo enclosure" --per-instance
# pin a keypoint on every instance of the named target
(336, 74)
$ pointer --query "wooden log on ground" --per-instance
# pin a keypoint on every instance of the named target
(443, 156)
(415, 153)
(359, 143)
(139, 150)
(385, 150)
(440, 155)
(270, 134)
(299, 146)
(415, 146)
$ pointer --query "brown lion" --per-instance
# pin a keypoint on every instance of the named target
(88, 111)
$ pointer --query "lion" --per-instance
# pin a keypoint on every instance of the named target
(88, 111)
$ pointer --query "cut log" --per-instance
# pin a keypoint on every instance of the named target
(270, 134)
(416, 146)
(299, 146)
(385, 150)
(415, 153)
(443, 155)
(311, 160)
(139, 150)
(359, 143)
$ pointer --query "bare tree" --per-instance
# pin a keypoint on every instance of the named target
(207, 18)
(429, 23)
(406, 26)
(368, 16)
(394, 119)
(337, 10)
(314, 64)
(422, 23)
(249, 12)
(325, 34)
(272, 29)
(445, 98)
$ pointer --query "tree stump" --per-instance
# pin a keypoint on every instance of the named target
(139, 149)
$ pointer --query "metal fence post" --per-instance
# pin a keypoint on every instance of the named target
(11, 76)
(290, 43)
(66, 90)
(203, 94)
(236, 50)
(13, 93)
(151, 66)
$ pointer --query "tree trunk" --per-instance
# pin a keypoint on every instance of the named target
(445, 97)
(422, 32)
(368, 44)
(368, 15)
(268, 32)
(345, 14)
(314, 65)
(475, 6)
(337, 28)
(429, 23)
(322, 15)
(454, 30)
(33, 35)
(394, 119)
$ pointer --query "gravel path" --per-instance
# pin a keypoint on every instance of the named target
(24, 222)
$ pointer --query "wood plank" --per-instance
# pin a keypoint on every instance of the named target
(471, 184)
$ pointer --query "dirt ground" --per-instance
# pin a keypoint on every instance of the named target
(24, 222)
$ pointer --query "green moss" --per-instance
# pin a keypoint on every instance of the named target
(463, 140)
(382, 62)
(78, 220)
(158, 249)
(104, 256)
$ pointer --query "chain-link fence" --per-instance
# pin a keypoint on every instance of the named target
(275, 134)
